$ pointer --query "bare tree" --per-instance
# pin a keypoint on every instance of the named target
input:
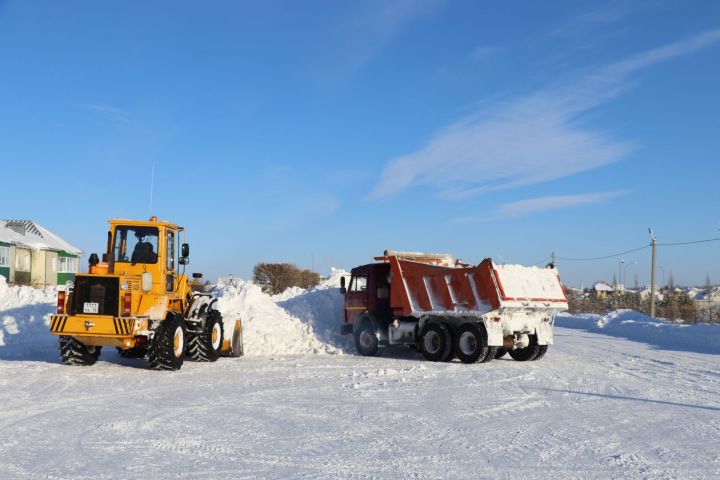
(275, 278)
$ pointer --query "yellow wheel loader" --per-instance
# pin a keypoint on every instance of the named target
(137, 300)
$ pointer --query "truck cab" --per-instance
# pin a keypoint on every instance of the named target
(368, 293)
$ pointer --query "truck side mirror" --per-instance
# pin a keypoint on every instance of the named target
(343, 290)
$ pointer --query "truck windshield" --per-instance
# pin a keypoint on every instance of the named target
(135, 244)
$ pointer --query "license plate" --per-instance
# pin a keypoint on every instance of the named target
(90, 307)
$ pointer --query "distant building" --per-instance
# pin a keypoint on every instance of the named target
(32, 255)
(602, 289)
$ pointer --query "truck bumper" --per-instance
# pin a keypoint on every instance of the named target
(100, 330)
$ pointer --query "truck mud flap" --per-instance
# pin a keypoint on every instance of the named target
(494, 332)
(544, 333)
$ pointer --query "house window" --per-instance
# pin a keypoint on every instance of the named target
(4, 256)
(67, 265)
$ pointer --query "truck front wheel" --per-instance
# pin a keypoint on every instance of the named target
(436, 342)
(471, 343)
(366, 341)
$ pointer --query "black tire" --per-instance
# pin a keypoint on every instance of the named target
(471, 343)
(436, 342)
(492, 351)
(73, 352)
(528, 353)
(366, 341)
(207, 345)
(500, 352)
(543, 351)
(135, 352)
(167, 348)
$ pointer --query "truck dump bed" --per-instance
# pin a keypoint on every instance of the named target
(438, 284)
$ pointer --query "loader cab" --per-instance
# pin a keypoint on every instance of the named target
(368, 291)
(150, 250)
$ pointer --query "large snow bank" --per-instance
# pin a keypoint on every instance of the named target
(24, 319)
(637, 326)
(295, 322)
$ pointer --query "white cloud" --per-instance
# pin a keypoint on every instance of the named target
(109, 112)
(522, 208)
(527, 141)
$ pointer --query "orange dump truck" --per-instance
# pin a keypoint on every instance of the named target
(446, 308)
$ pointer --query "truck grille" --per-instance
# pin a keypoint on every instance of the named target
(105, 291)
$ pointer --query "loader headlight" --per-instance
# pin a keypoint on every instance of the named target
(123, 286)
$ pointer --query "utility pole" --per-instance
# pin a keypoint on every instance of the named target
(552, 259)
(653, 243)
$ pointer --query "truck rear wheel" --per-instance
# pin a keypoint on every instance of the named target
(500, 353)
(436, 342)
(205, 346)
(73, 352)
(471, 343)
(366, 341)
(528, 353)
(167, 347)
(543, 351)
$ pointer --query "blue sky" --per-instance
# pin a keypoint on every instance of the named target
(325, 132)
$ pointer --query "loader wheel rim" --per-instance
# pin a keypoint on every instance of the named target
(178, 342)
(432, 342)
(215, 336)
(467, 343)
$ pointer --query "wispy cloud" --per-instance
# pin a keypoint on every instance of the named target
(522, 208)
(108, 112)
(483, 52)
(531, 140)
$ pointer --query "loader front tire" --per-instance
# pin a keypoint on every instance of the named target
(73, 352)
(436, 342)
(366, 341)
(167, 348)
(471, 343)
(528, 353)
(206, 345)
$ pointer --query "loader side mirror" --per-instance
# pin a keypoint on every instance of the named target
(343, 290)
(197, 276)
(184, 254)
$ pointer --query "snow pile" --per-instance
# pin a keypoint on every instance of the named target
(24, 319)
(321, 308)
(294, 322)
(639, 327)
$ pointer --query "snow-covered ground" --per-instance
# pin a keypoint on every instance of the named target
(616, 397)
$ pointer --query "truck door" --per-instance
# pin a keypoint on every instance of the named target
(356, 297)
(381, 291)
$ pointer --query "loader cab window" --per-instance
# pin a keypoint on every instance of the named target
(359, 284)
(136, 244)
(171, 251)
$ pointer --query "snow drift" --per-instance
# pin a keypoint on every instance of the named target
(636, 326)
(24, 319)
(295, 322)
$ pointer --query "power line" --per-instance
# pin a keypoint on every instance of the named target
(605, 256)
(689, 243)
(716, 239)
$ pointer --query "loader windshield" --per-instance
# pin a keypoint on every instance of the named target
(135, 244)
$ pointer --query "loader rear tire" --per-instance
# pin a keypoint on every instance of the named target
(207, 345)
(528, 353)
(436, 342)
(167, 348)
(366, 341)
(73, 352)
(471, 343)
